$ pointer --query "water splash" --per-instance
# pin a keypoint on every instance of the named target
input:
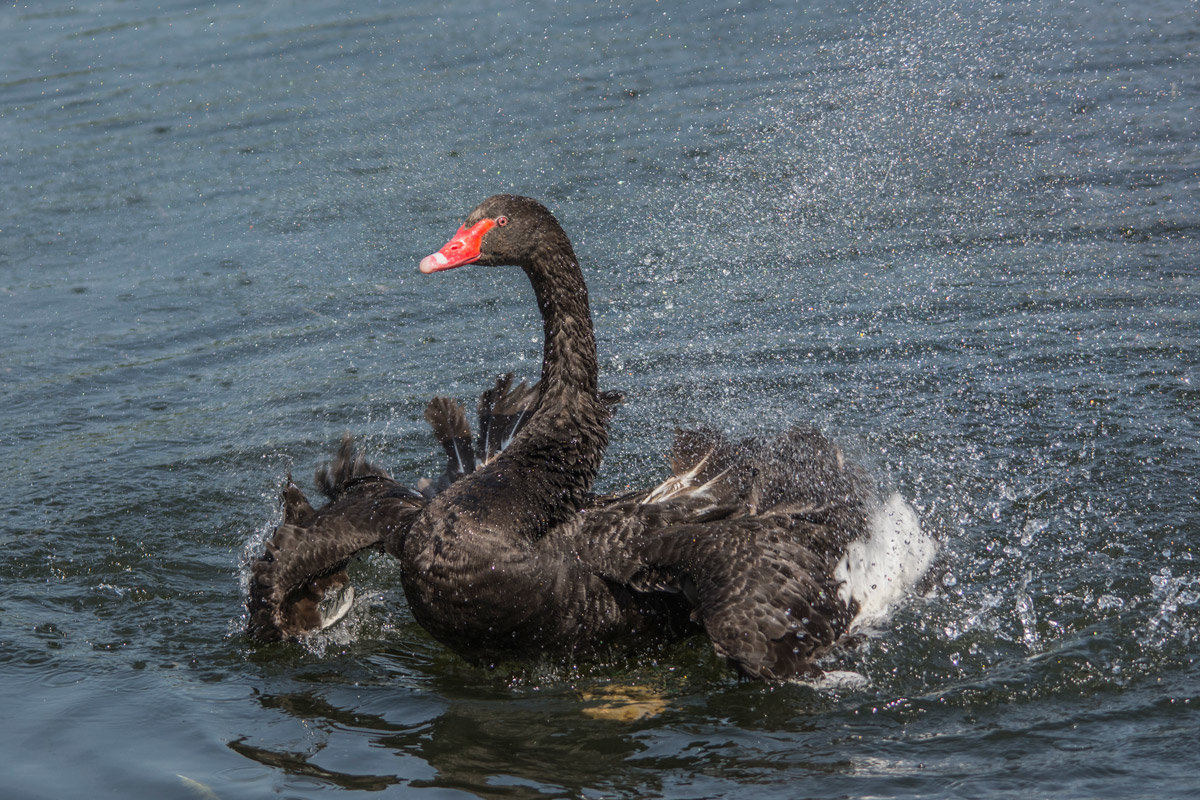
(879, 571)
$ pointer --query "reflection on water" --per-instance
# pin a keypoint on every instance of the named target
(470, 744)
(298, 765)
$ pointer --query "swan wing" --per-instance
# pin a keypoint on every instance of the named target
(761, 586)
(304, 560)
(503, 411)
(301, 565)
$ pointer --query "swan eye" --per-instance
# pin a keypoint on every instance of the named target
(501, 221)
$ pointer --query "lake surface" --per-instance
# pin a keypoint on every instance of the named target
(962, 236)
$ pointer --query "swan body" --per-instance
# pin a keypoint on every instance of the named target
(510, 555)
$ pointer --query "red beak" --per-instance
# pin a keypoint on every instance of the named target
(462, 249)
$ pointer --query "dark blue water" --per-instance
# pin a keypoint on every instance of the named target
(963, 236)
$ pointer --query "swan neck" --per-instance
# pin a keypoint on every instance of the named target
(569, 349)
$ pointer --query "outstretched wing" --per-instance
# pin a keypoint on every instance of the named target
(306, 557)
(301, 565)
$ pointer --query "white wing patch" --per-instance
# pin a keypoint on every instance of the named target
(881, 569)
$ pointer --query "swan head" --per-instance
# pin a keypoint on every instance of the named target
(504, 229)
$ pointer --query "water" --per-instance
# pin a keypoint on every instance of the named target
(962, 236)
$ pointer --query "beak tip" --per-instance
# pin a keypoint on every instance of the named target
(433, 263)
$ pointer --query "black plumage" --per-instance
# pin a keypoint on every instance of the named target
(510, 556)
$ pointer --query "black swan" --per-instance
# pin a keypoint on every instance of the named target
(509, 555)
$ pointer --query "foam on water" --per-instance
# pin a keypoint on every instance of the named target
(878, 571)
(837, 680)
